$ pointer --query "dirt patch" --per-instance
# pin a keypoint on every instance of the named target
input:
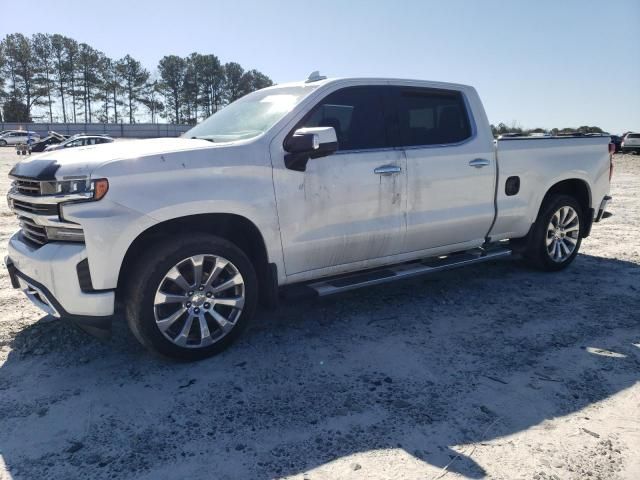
(495, 370)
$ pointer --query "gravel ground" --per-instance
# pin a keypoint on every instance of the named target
(491, 371)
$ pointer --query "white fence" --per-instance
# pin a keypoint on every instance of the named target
(128, 130)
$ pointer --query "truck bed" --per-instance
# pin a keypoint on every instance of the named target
(535, 160)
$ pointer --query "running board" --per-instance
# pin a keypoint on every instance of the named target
(404, 270)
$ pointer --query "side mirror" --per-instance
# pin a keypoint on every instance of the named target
(306, 143)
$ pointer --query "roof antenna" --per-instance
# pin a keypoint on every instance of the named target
(314, 77)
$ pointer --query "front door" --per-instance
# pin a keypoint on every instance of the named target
(347, 207)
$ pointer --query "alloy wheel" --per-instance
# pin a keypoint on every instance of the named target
(199, 301)
(563, 233)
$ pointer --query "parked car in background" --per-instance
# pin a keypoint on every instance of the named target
(570, 134)
(510, 135)
(617, 142)
(320, 187)
(631, 143)
(14, 137)
(80, 141)
(52, 139)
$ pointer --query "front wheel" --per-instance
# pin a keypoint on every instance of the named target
(3, 143)
(557, 235)
(190, 298)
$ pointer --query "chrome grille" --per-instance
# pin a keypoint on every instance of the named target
(36, 204)
(36, 208)
(28, 187)
(33, 232)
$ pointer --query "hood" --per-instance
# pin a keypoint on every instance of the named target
(82, 161)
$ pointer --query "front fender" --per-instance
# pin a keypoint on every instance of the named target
(138, 201)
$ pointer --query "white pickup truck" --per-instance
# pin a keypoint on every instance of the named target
(311, 187)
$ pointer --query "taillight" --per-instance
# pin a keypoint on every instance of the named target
(612, 150)
(611, 161)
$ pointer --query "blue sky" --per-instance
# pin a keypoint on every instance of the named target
(539, 63)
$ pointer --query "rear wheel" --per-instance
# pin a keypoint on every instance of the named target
(191, 297)
(557, 235)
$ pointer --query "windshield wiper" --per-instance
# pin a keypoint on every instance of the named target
(203, 138)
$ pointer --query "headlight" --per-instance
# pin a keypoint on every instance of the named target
(71, 186)
(81, 189)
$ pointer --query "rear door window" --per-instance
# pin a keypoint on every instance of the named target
(430, 117)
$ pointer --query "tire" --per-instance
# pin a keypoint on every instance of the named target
(3, 143)
(163, 283)
(548, 246)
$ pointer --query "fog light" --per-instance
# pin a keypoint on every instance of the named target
(63, 234)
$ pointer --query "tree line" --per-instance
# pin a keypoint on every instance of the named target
(64, 80)
(502, 129)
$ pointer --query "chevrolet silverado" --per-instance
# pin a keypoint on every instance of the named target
(313, 187)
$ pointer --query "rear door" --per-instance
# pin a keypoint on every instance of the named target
(17, 137)
(451, 170)
(347, 207)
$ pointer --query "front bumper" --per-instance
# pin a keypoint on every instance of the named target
(48, 276)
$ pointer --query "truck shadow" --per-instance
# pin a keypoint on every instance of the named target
(432, 367)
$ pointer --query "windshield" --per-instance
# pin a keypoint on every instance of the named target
(250, 116)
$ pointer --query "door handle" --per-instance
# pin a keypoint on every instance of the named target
(387, 170)
(479, 162)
